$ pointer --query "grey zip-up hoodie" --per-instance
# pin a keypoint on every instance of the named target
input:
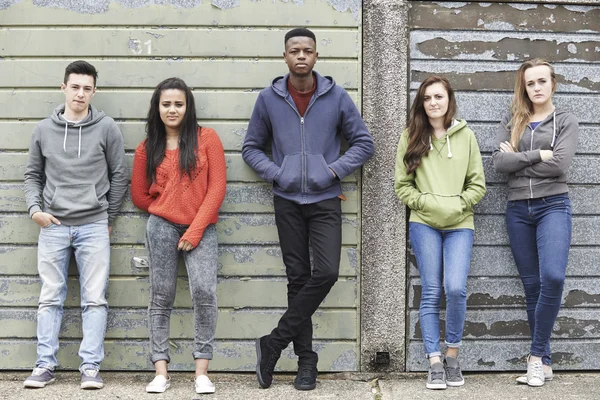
(76, 172)
(529, 176)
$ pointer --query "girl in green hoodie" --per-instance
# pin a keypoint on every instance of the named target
(439, 176)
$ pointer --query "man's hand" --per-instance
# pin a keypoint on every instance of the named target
(109, 230)
(333, 172)
(44, 219)
(185, 246)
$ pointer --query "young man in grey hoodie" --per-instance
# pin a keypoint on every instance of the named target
(75, 181)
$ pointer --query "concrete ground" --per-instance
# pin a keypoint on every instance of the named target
(350, 386)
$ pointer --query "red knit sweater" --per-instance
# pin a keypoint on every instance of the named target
(181, 200)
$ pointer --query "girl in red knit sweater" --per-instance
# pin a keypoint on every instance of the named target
(179, 178)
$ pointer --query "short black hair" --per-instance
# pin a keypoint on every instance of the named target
(81, 67)
(299, 32)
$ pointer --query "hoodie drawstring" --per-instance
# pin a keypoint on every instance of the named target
(553, 134)
(449, 150)
(65, 141)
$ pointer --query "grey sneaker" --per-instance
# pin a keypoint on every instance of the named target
(454, 375)
(90, 379)
(436, 378)
(39, 378)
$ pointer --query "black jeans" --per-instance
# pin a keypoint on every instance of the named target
(297, 224)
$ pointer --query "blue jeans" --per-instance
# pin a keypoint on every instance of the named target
(540, 235)
(91, 245)
(442, 254)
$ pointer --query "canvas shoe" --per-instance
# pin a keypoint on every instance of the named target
(159, 384)
(90, 379)
(535, 373)
(39, 378)
(204, 385)
(436, 378)
(306, 379)
(548, 376)
(454, 375)
(266, 358)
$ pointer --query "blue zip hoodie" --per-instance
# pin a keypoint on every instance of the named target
(306, 148)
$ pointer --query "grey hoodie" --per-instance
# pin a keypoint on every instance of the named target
(76, 172)
(529, 176)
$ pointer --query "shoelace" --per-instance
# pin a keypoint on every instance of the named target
(38, 371)
(305, 373)
(453, 372)
(437, 375)
(537, 370)
(91, 372)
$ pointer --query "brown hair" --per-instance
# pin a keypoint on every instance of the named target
(521, 106)
(419, 128)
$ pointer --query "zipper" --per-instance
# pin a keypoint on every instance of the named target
(304, 184)
(530, 179)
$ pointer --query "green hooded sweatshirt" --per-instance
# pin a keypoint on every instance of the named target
(448, 183)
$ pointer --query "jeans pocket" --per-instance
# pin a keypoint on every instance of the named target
(556, 199)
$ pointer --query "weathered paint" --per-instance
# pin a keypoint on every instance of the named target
(127, 260)
(130, 104)
(478, 47)
(218, 73)
(474, 16)
(329, 324)
(166, 13)
(238, 355)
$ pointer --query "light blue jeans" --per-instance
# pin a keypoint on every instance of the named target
(443, 257)
(91, 245)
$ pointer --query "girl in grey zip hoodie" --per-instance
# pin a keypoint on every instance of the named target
(535, 146)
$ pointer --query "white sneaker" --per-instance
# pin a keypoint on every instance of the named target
(535, 373)
(159, 384)
(548, 376)
(204, 385)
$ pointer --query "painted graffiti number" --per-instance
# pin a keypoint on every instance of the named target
(137, 48)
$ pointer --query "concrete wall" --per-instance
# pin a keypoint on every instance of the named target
(227, 51)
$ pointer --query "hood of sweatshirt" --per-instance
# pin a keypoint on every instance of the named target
(93, 117)
(324, 84)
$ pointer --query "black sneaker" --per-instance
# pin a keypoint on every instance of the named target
(306, 378)
(266, 358)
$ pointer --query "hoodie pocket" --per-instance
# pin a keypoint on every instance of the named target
(441, 211)
(318, 175)
(70, 198)
(289, 177)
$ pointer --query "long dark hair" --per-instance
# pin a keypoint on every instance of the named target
(419, 128)
(156, 141)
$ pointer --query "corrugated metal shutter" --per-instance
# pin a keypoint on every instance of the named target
(227, 55)
(479, 46)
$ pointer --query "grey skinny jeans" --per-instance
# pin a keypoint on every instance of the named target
(162, 238)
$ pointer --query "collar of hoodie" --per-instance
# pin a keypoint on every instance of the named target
(65, 139)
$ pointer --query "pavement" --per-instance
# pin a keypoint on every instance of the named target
(340, 386)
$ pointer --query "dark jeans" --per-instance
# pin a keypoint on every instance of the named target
(540, 235)
(297, 224)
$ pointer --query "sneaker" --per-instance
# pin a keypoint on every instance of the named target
(39, 378)
(535, 373)
(266, 358)
(306, 378)
(90, 379)
(204, 385)
(548, 376)
(436, 378)
(159, 384)
(454, 375)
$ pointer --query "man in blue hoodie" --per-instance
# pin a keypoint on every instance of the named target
(304, 116)
(75, 181)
